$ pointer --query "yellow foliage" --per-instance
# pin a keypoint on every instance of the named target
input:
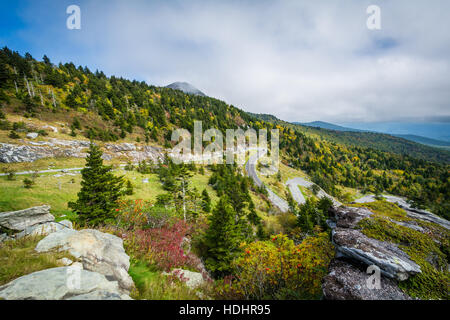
(279, 269)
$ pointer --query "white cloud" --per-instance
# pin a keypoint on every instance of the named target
(298, 60)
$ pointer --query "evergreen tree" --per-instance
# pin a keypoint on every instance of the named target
(129, 190)
(206, 201)
(222, 239)
(100, 190)
(306, 215)
(13, 135)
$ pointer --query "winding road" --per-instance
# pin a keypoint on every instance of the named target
(292, 184)
(250, 167)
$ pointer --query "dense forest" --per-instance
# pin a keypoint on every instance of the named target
(358, 160)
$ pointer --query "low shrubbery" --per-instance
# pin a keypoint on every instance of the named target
(279, 269)
(156, 235)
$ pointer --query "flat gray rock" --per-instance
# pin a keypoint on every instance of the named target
(62, 284)
(392, 261)
(44, 229)
(22, 219)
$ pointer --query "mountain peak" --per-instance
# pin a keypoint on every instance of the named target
(186, 88)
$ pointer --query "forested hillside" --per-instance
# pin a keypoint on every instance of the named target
(112, 109)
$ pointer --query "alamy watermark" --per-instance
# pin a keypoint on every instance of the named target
(374, 280)
(74, 19)
(238, 143)
(374, 19)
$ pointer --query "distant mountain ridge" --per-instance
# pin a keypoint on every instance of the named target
(186, 88)
(423, 140)
(329, 126)
(410, 137)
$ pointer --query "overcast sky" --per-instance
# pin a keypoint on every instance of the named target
(299, 60)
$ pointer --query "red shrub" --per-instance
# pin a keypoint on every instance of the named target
(163, 246)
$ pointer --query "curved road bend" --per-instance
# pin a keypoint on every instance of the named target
(297, 194)
(250, 167)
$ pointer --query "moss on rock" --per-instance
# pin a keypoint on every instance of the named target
(429, 249)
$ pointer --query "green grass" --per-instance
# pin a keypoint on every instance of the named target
(18, 258)
(152, 285)
(13, 196)
(58, 191)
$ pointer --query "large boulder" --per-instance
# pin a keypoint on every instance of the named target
(392, 261)
(347, 282)
(22, 219)
(64, 283)
(97, 251)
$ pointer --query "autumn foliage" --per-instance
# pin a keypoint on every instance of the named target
(279, 269)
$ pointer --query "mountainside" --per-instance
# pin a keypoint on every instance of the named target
(186, 88)
(375, 140)
(90, 105)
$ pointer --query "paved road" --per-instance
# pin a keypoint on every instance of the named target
(295, 191)
(250, 167)
(49, 171)
(43, 171)
(297, 194)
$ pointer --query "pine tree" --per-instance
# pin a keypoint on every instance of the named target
(222, 239)
(100, 190)
(129, 188)
(206, 201)
(307, 213)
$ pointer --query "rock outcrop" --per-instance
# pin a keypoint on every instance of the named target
(347, 282)
(102, 269)
(391, 260)
(64, 283)
(12, 153)
(23, 219)
(136, 153)
(97, 251)
(351, 243)
(423, 215)
(30, 151)
(356, 251)
(36, 221)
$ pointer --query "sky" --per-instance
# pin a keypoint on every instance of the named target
(298, 60)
